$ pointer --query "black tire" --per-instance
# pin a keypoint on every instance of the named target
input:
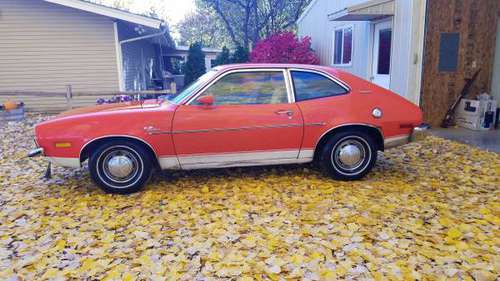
(132, 169)
(348, 144)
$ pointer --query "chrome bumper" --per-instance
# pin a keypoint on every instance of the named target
(35, 152)
(418, 133)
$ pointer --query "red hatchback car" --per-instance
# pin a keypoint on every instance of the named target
(235, 115)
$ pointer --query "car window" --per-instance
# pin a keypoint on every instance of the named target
(193, 87)
(258, 87)
(309, 85)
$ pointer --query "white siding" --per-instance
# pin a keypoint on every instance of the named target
(316, 25)
(44, 47)
(407, 46)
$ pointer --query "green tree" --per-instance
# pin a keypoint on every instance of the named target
(195, 64)
(240, 55)
(248, 21)
(223, 57)
(203, 26)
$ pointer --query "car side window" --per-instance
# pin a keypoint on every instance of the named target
(256, 87)
(310, 85)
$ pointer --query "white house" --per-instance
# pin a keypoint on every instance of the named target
(378, 40)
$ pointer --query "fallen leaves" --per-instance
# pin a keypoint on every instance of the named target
(429, 210)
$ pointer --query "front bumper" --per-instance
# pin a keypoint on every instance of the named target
(58, 161)
(417, 134)
(35, 152)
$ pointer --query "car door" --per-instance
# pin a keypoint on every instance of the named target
(252, 121)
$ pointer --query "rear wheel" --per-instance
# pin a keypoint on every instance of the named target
(349, 155)
(120, 167)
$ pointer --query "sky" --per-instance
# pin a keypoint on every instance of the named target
(173, 10)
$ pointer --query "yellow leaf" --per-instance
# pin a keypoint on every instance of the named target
(127, 277)
(50, 273)
(87, 264)
(340, 270)
(445, 222)
(316, 255)
(454, 233)
(205, 189)
(145, 260)
(297, 259)
(327, 274)
(112, 275)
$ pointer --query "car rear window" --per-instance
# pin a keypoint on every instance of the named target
(310, 85)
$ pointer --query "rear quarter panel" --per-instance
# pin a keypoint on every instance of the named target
(399, 115)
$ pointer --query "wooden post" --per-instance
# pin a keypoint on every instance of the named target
(69, 97)
(173, 87)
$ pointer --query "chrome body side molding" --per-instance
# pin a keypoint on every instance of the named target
(236, 159)
(157, 132)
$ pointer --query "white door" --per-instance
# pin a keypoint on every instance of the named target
(381, 66)
(495, 87)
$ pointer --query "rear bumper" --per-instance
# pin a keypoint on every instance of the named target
(418, 133)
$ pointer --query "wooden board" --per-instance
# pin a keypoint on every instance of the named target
(475, 21)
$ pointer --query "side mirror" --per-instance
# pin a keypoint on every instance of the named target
(206, 100)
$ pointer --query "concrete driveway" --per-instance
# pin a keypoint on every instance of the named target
(487, 140)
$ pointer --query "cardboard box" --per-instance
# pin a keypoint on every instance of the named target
(476, 114)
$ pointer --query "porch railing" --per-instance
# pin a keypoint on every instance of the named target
(67, 100)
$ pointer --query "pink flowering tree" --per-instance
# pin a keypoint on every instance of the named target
(284, 47)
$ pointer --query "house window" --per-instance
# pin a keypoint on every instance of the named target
(342, 45)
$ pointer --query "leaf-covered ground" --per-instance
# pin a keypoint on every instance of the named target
(428, 211)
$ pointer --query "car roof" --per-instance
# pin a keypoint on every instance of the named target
(321, 68)
(269, 65)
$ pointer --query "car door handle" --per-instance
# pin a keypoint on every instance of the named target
(284, 112)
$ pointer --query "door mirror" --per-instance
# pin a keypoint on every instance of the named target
(206, 100)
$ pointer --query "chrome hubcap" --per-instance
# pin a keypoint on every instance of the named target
(349, 154)
(120, 166)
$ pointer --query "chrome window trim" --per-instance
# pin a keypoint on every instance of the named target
(289, 86)
(322, 73)
(224, 74)
(215, 69)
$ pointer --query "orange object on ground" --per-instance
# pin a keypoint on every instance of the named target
(9, 105)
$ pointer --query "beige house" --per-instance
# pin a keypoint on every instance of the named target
(46, 45)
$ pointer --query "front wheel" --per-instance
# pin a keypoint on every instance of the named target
(349, 155)
(120, 167)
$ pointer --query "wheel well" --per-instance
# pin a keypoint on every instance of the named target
(85, 153)
(372, 131)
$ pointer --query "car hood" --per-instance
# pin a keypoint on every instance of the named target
(112, 107)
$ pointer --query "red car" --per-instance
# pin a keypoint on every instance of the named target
(235, 115)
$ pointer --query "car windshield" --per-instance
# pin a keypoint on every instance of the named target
(177, 99)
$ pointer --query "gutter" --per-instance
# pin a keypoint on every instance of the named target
(162, 33)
